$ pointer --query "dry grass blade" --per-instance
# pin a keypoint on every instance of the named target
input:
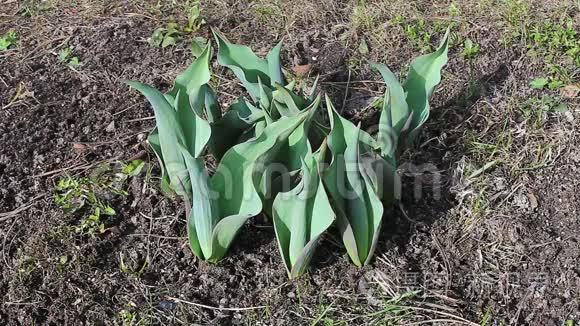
(8, 215)
(215, 308)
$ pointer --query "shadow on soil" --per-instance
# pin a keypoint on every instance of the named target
(426, 193)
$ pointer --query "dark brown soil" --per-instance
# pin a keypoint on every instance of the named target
(512, 260)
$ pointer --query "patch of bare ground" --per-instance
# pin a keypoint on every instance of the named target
(487, 232)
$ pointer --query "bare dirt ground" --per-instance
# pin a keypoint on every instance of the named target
(491, 239)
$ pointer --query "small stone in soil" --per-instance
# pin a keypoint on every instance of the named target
(110, 127)
(167, 305)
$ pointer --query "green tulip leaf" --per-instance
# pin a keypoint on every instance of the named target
(300, 217)
(196, 130)
(424, 75)
(275, 66)
(238, 177)
(399, 108)
(204, 210)
(244, 63)
(170, 133)
(357, 206)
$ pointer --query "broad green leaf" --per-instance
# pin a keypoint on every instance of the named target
(280, 110)
(265, 96)
(292, 103)
(399, 108)
(354, 191)
(165, 184)
(196, 130)
(238, 177)
(224, 233)
(259, 127)
(387, 137)
(192, 235)
(382, 177)
(212, 107)
(275, 66)
(244, 63)
(290, 86)
(198, 44)
(539, 83)
(318, 131)
(170, 134)
(227, 131)
(289, 214)
(424, 75)
(374, 206)
(312, 94)
(291, 154)
(196, 75)
(204, 211)
(355, 202)
(194, 82)
(254, 116)
(300, 266)
(300, 217)
(298, 145)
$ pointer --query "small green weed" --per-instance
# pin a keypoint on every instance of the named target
(133, 168)
(65, 55)
(417, 32)
(363, 47)
(470, 49)
(93, 193)
(268, 10)
(485, 151)
(539, 83)
(546, 82)
(8, 40)
(454, 10)
(517, 16)
(166, 36)
(30, 8)
(395, 310)
(536, 111)
(133, 271)
(173, 32)
(62, 263)
(555, 42)
(22, 94)
(27, 267)
(558, 45)
(556, 38)
(364, 17)
(420, 34)
(354, 63)
(131, 317)
(194, 18)
(487, 316)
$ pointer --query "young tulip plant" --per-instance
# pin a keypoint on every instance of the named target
(280, 155)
